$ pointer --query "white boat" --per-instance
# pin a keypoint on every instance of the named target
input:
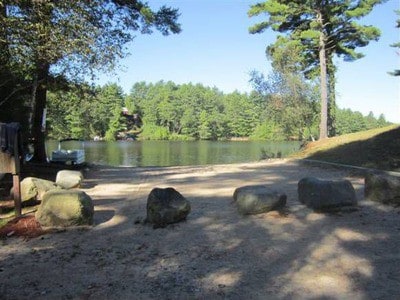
(68, 156)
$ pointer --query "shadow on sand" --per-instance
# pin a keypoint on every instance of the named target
(215, 253)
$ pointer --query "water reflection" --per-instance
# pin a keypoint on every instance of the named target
(174, 153)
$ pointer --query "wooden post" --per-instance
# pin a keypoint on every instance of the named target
(16, 179)
(17, 195)
(11, 164)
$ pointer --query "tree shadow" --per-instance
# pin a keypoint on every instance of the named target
(379, 152)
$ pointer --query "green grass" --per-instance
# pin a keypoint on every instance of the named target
(6, 218)
(376, 148)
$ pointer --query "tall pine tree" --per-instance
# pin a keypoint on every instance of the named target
(324, 28)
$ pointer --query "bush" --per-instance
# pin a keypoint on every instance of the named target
(154, 132)
(267, 130)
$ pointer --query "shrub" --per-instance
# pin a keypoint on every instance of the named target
(154, 132)
(267, 130)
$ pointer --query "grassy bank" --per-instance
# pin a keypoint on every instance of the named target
(376, 148)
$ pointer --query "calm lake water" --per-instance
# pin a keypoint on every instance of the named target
(174, 153)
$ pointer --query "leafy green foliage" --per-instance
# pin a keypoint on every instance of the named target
(115, 124)
(69, 113)
(287, 109)
(108, 98)
(396, 45)
(240, 114)
(320, 30)
(267, 130)
(349, 121)
(154, 132)
(47, 32)
(290, 99)
(191, 110)
(42, 41)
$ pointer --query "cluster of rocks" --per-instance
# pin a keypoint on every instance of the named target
(62, 204)
(318, 194)
(167, 206)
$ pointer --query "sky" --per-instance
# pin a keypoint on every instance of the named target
(216, 50)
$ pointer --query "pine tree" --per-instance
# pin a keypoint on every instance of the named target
(323, 28)
(396, 45)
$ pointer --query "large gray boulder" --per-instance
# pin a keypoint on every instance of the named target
(63, 208)
(382, 188)
(326, 194)
(69, 179)
(166, 206)
(257, 199)
(33, 189)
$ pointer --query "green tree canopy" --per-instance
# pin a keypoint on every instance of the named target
(321, 29)
(47, 39)
(165, 110)
(397, 45)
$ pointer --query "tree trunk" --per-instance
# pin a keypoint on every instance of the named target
(39, 94)
(332, 98)
(323, 127)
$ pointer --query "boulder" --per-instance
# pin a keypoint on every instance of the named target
(166, 206)
(63, 208)
(322, 195)
(256, 199)
(69, 179)
(382, 188)
(33, 189)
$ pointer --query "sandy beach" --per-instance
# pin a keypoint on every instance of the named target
(216, 253)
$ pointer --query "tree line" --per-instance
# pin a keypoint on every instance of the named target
(48, 49)
(169, 111)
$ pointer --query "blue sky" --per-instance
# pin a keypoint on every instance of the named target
(215, 49)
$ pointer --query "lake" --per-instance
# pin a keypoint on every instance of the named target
(177, 153)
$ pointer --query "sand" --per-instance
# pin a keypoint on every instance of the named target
(216, 253)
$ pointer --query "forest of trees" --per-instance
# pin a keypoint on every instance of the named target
(165, 110)
(48, 45)
(48, 49)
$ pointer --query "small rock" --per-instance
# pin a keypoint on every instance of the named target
(68, 179)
